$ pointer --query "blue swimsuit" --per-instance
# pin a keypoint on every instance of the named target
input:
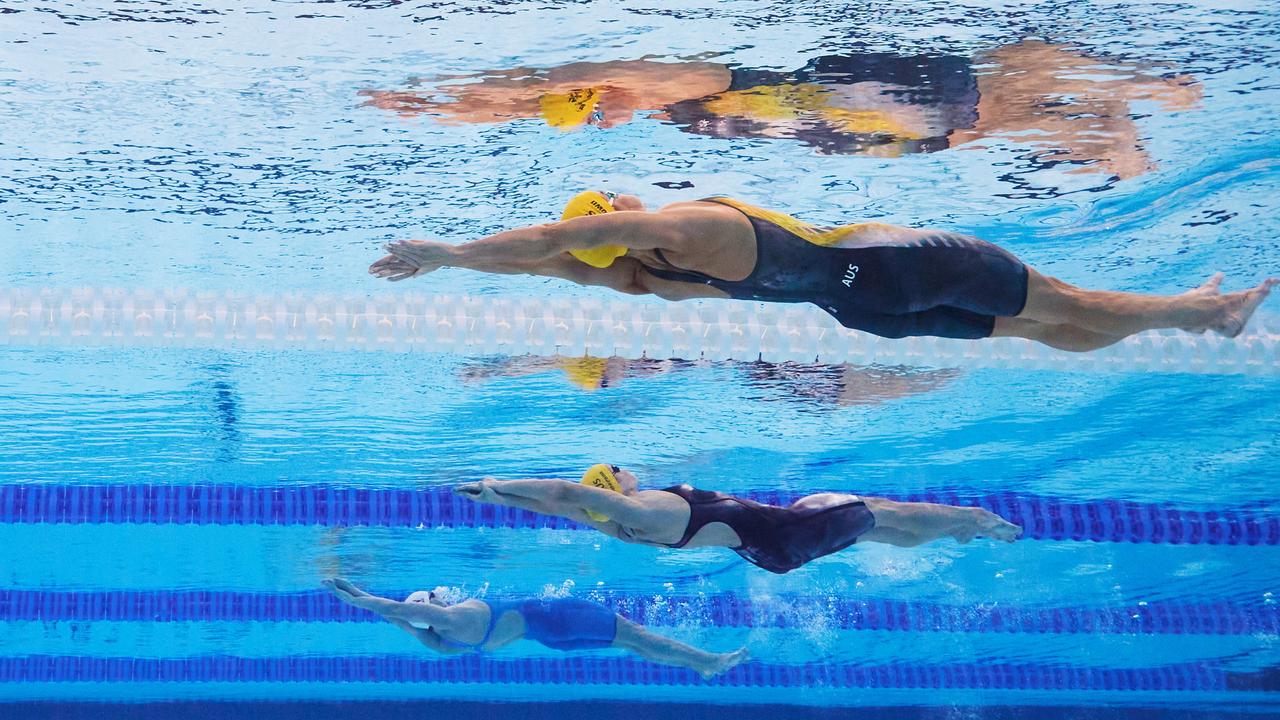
(944, 284)
(558, 623)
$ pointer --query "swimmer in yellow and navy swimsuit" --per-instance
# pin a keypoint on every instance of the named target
(776, 538)
(560, 623)
(883, 279)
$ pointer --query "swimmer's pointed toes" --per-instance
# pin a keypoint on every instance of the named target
(727, 662)
(1213, 283)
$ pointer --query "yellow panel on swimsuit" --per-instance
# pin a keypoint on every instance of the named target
(805, 100)
(818, 235)
(769, 102)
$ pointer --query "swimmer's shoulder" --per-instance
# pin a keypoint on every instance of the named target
(869, 232)
(697, 206)
(659, 499)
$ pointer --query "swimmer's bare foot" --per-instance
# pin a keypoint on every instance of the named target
(988, 524)
(1238, 307)
(723, 662)
(1212, 286)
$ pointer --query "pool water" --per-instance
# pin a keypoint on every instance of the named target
(167, 514)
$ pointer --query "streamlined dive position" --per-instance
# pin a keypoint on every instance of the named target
(778, 539)
(559, 623)
(882, 279)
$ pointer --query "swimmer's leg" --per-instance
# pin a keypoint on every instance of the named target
(656, 648)
(907, 524)
(1055, 302)
(1062, 337)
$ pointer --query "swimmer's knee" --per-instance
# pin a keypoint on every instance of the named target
(1051, 300)
(627, 634)
(880, 507)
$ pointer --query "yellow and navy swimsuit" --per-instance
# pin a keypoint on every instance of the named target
(941, 284)
(806, 104)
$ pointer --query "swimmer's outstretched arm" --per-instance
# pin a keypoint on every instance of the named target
(397, 616)
(425, 613)
(559, 497)
(528, 246)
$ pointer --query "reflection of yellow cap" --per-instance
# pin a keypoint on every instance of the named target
(585, 372)
(570, 109)
(593, 203)
(601, 476)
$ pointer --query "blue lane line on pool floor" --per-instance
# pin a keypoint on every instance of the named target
(619, 670)
(1041, 518)
(726, 610)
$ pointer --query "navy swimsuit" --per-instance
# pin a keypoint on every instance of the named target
(778, 539)
(944, 284)
(558, 623)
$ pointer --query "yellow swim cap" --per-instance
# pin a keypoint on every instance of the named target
(601, 476)
(592, 202)
(570, 109)
(585, 372)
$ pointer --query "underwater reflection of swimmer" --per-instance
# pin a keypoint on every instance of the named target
(882, 279)
(559, 623)
(603, 94)
(586, 372)
(1074, 106)
(844, 385)
(847, 385)
(777, 539)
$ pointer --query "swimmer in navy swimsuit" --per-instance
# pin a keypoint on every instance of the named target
(776, 538)
(559, 623)
(883, 279)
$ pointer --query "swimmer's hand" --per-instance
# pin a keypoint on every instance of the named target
(392, 268)
(410, 258)
(481, 492)
(347, 592)
(425, 255)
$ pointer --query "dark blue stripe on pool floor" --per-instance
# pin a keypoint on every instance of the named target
(727, 610)
(619, 670)
(1041, 518)
(583, 709)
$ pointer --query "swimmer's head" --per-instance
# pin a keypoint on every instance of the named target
(609, 477)
(593, 202)
(628, 481)
(435, 597)
(626, 202)
(441, 597)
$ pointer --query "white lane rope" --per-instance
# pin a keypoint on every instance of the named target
(711, 330)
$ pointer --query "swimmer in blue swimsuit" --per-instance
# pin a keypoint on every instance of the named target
(882, 279)
(559, 623)
(777, 539)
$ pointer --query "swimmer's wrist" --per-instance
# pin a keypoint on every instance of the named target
(450, 255)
